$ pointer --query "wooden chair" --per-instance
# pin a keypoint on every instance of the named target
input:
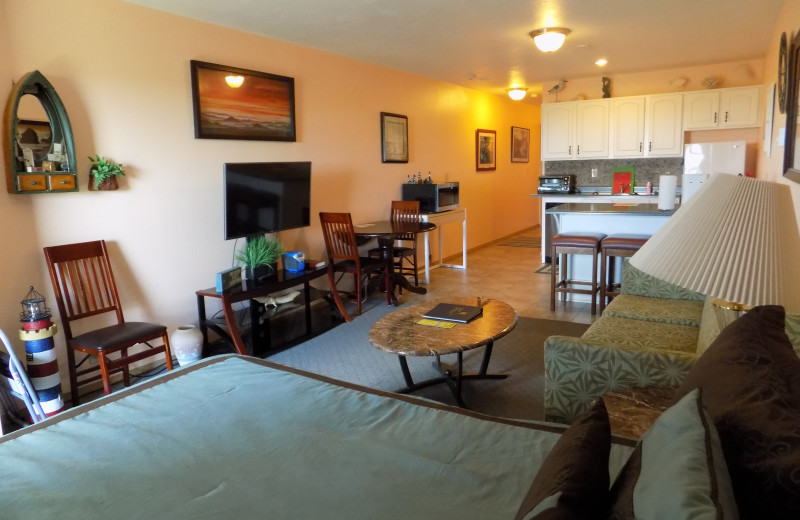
(84, 287)
(343, 257)
(405, 255)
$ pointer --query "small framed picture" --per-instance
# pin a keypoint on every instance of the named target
(520, 144)
(485, 150)
(394, 138)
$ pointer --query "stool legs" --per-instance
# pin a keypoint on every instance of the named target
(559, 275)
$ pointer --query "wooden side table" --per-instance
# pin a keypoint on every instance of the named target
(631, 411)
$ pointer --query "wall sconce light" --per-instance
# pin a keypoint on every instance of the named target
(549, 39)
(517, 93)
(234, 81)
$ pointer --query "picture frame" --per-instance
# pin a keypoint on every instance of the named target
(485, 150)
(394, 138)
(260, 107)
(520, 144)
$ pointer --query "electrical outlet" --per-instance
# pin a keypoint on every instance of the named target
(594, 173)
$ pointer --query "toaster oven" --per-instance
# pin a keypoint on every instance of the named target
(557, 184)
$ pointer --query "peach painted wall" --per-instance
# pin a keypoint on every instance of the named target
(771, 168)
(123, 73)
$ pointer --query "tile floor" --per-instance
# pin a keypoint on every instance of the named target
(507, 273)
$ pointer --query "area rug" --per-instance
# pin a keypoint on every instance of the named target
(345, 353)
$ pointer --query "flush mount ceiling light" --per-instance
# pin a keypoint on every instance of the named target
(601, 62)
(549, 39)
(234, 81)
(517, 93)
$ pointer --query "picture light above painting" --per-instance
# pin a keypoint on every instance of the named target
(234, 103)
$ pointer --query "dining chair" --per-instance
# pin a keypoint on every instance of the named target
(84, 287)
(343, 256)
(405, 256)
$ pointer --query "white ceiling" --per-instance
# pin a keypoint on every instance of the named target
(485, 44)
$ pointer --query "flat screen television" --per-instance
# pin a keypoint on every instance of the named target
(266, 197)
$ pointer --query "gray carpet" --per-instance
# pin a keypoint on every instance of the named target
(345, 353)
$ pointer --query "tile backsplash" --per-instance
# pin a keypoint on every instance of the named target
(644, 170)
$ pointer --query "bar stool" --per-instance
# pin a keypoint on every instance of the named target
(574, 244)
(620, 245)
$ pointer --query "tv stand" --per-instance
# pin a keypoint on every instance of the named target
(229, 329)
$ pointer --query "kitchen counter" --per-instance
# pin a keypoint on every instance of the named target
(624, 208)
(596, 195)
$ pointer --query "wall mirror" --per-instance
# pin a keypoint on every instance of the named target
(791, 158)
(37, 139)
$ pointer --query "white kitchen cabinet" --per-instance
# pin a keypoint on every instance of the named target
(627, 126)
(663, 125)
(591, 129)
(558, 130)
(575, 130)
(721, 108)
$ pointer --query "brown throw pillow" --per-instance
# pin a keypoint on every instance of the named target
(750, 378)
(573, 480)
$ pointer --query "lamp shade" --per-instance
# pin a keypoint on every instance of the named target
(549, 39)
(736, 239)
(517, 93)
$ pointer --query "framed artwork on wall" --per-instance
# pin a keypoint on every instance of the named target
(485, 150)
(394, 138)
(234, 103)
(520, 144)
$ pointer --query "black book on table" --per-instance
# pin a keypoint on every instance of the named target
(453, 312)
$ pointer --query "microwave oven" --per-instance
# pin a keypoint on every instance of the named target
(433, 198)
(557, 184)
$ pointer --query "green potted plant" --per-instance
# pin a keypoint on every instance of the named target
(259, 256)
(103, 173)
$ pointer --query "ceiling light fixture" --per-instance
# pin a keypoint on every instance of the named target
(549, 39)
(517, 93)
(234, 81)
(601, 62)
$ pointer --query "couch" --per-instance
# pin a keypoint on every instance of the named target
(650, 335)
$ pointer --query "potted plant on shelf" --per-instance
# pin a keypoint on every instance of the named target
(259, 256)
(103, 173)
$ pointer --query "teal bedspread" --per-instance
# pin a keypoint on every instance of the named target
(236, 437)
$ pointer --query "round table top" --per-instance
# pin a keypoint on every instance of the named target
(399, 333)
(388, 228)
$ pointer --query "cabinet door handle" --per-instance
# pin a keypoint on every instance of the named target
(726, 116)
(63, 182)
(650, 146)
(715, 117)
(570, 149)
(579, 149)
(640, 146)
(33, 183)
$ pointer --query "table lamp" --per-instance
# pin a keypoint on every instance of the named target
(736, 240)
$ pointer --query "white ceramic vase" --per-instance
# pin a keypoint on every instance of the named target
(186, 342)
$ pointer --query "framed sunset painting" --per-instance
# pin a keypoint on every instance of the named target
(234, 103)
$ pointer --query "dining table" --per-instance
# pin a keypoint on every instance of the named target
(387, 231)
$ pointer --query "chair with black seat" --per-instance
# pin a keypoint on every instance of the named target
(84, 287)
(405, 256)
(343, 257)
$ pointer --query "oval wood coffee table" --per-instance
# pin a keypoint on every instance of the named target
(398, 333)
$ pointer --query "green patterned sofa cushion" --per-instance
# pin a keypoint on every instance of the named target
(578, 370)
(664, 310)
(636, 282)
(629, 334)
(793, 331)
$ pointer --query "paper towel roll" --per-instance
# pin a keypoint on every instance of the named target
(666, 191)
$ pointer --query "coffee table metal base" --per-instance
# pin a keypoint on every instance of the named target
(453, 381)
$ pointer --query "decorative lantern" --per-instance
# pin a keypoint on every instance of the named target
(42, 364)
(33, 307)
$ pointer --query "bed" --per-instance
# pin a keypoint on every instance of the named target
(234, 437)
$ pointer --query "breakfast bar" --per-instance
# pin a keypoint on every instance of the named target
(608, 218)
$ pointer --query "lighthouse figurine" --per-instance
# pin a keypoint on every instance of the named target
(40, 355)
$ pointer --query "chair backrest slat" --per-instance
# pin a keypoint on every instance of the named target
(82, 281)
(340, 239)
(405, 211)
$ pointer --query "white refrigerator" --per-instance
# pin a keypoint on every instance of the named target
(703, 159)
